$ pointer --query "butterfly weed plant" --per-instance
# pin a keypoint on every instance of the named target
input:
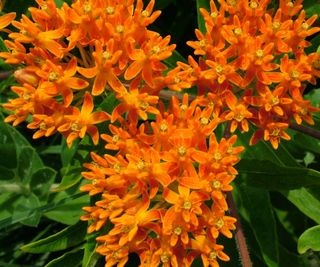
(131, 154)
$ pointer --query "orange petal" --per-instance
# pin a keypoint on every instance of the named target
(6, 19)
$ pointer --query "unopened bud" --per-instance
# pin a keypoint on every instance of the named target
(23, 76)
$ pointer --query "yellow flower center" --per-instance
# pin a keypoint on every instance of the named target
(219, 223)
(144, 105)
(183, 107)
(253, 5)
(145, 13)
(276, 25)
(217, 156)
(156, 49)
(214, 15)
(182, 151)
(212, 255)
(163, 127)
(229, 149)
(23, 31)
(75, 127)
(204, 121)
(106, 55)
(109, 10)
(187, 205)
(275, 132)
(177, 80)
(53, 76)
(219, 69)
(116, 255)
(303, 111)
(44, 6)
(295, 74)
(43, 126)
(119, 28)
(232, 2)
(237, 31)
(117, 168)
(259, 53)
(290, 4)
(140, 165)
(274, 100)
(87, 7)
(177, 230)
(216, 184)
(26, 96)
(202, 43)
(115, 138)
(164, 258)
(239, 116)
(305, 26)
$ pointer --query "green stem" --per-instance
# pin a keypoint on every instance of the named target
(306, 130)
(239, 234)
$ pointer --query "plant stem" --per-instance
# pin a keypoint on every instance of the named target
(239, 235)
(4, 75)
(306, 130)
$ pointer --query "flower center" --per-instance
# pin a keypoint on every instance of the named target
(163, 127)
(187, 205)
(295, 74)
(213, 255)
(115, 138)
(219, 69)
(43, 126)
(204, 121)
(216, 184)
(259, 53)
(237, 31)
(253, 5)
(120, 29)
(156, 49)
(106, 55)
(117, 167)
(140, 165)
(177, 230)
(110, 10)
(276, 25)
(53, 76)
(217, 156)
(87, 7)
(182, 151)
(164, 258)
(219, 223)
(75, 127)
(145, 13)
(214, 15)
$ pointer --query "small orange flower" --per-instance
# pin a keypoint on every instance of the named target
(83, 121)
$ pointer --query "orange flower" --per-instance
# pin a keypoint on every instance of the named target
(274, 131)
(82, 121)
(6, 19)
(136, 104)
(104, 71)
(238, 113)
(31, 33)
(146, 60)
(208, 250)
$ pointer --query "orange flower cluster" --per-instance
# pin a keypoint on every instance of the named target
(253, 66)
(164, 190)
(61, 51)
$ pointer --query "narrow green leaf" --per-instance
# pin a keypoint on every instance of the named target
(90, 257)
(171, 62)
(265, 174)
(71, 178)
(306, 202)
(27, 203)
(68, 237)
(201, 23)
(70, 212)
(69, 259)
(258, 209)
(41, 182)
(310, 239)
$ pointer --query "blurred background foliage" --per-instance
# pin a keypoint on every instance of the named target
(277, 192)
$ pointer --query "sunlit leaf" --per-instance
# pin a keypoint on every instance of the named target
(310, 239)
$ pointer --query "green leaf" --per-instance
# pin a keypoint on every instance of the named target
(28, 203)
(171, 62)
(69, 259)
(201, 23)
(306, 202)
(71, 178)
(109, 103)
(68, 237)
(91, 257)
(41, 182)
(70, 212)
(310, 239)
(258, 211)
(265, 174)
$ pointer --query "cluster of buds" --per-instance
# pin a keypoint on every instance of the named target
(164, 191)
(253, 66)
(70, 55)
